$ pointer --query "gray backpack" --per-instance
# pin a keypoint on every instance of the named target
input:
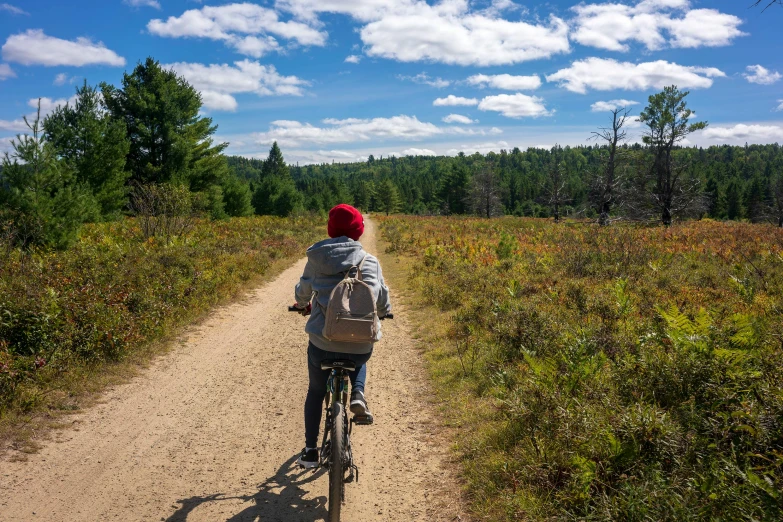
(351, 315)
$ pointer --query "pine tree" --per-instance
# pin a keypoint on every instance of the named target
(454, 189)
(94, 146)
(169, 141)
(713, 195)
(276, 194)
(237, 197)
(388, 197)
(274, 165)
(754, 200)
(733, 200)
(39, 194)
(364, 194)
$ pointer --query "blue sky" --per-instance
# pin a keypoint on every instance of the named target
(341, 79)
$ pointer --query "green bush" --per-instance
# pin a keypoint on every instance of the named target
(41, 201)
(119, 288)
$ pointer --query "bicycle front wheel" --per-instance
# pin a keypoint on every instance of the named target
(337, 462)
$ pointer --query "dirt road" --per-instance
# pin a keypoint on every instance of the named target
(210, 433)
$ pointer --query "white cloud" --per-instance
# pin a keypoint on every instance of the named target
(364, 10)
(255, 46)
(418, 152)
(611, 25)
(424, 79)
(458, 118)
(143, 3)
(605, 106)
(217, 101)
(515, 105)
(245, 27)
(354, 58)
(498, 6)
(780, 107)
(337, 154)
(606, 74)
(47, 106)
(33, 47)
(449, 31)
(13, 9)
(13, 125)
(481, 148)
(506, 82)
(452, 100)
(6, 72)
(61, 79)
(5, 145)
(308, 157)
(218, 82)
(742, 133)
(293, 133)
(761, 75)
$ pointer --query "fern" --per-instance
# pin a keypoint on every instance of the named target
(746, 336)
(685, 333)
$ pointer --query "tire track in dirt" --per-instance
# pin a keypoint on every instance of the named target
(211, 430)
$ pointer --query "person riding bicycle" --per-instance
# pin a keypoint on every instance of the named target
(327, 263)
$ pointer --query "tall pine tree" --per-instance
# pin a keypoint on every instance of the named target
(40, 197)
(169, 141)
(94, 145)
(276, 194)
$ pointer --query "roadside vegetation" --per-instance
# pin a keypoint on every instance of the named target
(594, 373)
(120, 220)
(117, 289)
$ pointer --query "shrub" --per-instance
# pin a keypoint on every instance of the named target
(622, 373)
(119, 288)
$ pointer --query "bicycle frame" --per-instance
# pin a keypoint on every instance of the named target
(337, 391)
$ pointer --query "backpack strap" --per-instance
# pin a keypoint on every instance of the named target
(359, 268)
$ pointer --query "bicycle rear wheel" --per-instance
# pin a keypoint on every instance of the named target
(337, 462)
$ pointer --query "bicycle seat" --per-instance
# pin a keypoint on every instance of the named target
(342, 364)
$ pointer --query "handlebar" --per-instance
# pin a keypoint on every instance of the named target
(297, 310)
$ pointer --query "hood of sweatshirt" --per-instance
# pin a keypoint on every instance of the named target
(335, 255)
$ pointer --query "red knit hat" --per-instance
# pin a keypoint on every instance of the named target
(344, 220)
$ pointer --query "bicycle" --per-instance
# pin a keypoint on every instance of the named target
(336, 453)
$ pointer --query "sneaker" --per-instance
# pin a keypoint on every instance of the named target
(308, 459)
(359, 406)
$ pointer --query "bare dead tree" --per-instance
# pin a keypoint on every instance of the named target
(606, 182)
(556, 185)
(769, 3)
(163, 210)
(484, 197)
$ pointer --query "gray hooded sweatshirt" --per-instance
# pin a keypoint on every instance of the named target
(327, 263)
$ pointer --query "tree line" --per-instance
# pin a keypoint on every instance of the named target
(96, 158)
(658, 180)
(144, 149)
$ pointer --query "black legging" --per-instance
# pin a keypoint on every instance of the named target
(317, 389)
